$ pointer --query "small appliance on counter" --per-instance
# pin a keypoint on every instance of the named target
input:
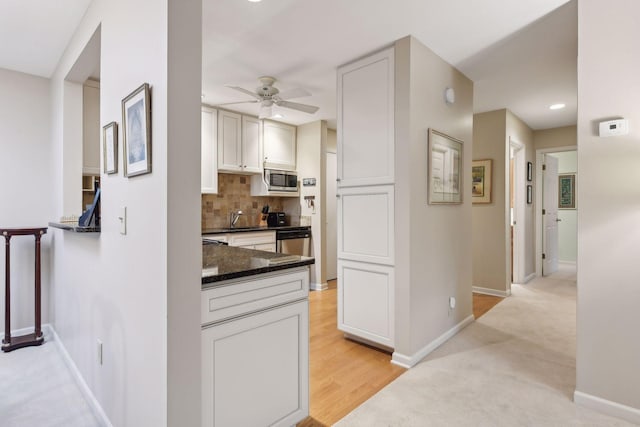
(276, 219)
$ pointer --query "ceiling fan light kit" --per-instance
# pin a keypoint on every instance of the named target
(268, 95)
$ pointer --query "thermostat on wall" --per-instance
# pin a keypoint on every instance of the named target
(614, 127)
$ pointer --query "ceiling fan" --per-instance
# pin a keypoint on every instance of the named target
(268, 95)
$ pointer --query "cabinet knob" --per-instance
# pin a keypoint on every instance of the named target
(338, 179)
(337, 196)
(244, 166)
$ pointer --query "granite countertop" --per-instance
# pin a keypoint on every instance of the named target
(73, 226)
(221, 262)
(256, 228)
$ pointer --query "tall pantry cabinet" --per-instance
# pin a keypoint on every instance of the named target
(366, 103)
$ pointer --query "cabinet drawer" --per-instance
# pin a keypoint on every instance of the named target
(251, 239)
(242, 296)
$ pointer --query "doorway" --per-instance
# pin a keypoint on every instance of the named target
(516, 211)
(556, 222)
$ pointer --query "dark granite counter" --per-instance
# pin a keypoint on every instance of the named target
(228, 262)
(73, 226)
(245, 229)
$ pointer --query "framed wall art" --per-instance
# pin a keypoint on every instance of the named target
(110, 148)
(481, 181)
(445, 169)
(136, 132)
(567, 191)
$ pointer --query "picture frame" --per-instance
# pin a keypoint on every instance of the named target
(529, 194)
(481, 178)
(529, 171)
(136, 132)
(445, 155)
(110, 148)
(567, 191)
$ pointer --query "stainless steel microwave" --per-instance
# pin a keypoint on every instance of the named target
(278, 180)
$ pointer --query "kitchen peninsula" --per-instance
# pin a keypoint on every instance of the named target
(255, 337)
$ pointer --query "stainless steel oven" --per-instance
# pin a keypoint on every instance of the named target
(294, 241)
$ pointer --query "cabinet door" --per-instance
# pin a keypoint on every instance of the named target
(251, 145)
(229, 141)
(209, 170)
(366, 224)
(269, 247)
(366, 301)
(279, 145)
(255, 369)
(366, 103)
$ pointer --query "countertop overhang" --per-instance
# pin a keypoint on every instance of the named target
(220, 263)
(257, 228)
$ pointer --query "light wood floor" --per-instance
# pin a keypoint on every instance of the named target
(344, 374)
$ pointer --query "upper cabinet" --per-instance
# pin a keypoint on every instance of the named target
(239, 143)
(251, 144)
(91, 131)
(279, 145)
(209, 170)
(366, 102)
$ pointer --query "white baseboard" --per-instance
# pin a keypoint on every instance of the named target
(77, 376)
(318, 286)
(607, 407)
(493, 292)
(410, 361)
(529, 278)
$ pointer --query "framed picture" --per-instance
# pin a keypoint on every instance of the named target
(529, 194)
(136, 132)
(567, 191)
(445, 169)
(481, 181)
(529, 171)
(110, 148)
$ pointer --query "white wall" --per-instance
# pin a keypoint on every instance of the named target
(608, 348)
(311, 163)
(433, 243)
(25, 192)
(138, 293)
(568, 225)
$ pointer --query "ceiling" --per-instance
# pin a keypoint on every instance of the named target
(520, 55)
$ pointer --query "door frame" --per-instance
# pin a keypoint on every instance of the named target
(538, 210)
(518, 266)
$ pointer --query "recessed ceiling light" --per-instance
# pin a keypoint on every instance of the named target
(557, 106)
(255, 1)
(278, 115)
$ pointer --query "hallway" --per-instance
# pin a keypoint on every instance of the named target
(515, 366)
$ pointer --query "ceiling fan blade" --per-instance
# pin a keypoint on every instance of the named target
(293, 93)
(297, 106)
(239, 102)
(245, 91)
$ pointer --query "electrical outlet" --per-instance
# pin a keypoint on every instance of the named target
(99, 352)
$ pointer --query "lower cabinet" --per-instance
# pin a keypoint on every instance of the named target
(255, 368)
(366, 301)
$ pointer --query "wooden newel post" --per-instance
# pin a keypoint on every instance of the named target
(10, 343)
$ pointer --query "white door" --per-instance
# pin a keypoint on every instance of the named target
(229, 141)
(209, 155)
(251, 145)
(279, 142)
(331, 216)
(550, 217)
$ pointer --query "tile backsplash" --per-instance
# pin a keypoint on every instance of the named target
(234, 193)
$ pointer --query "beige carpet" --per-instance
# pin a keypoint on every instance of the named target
(514, 366)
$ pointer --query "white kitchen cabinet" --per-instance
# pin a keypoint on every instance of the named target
(239, 143)
(366, 224)
(209, 158)
(366, 301)
(279, 145)
(251, 144)
(366, 104)
(261, 240)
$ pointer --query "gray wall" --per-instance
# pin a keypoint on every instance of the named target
(608, 351)
(433, 243)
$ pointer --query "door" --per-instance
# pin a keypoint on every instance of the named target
(251, 145)
(209, 154)
(331, 218)
(229, 137)
(279, 142)
(550, 216)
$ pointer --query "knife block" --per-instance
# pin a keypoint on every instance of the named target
(262, 220)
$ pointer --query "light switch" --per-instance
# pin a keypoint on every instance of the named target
(122, 217)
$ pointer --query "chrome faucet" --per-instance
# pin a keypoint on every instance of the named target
(235, 216)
